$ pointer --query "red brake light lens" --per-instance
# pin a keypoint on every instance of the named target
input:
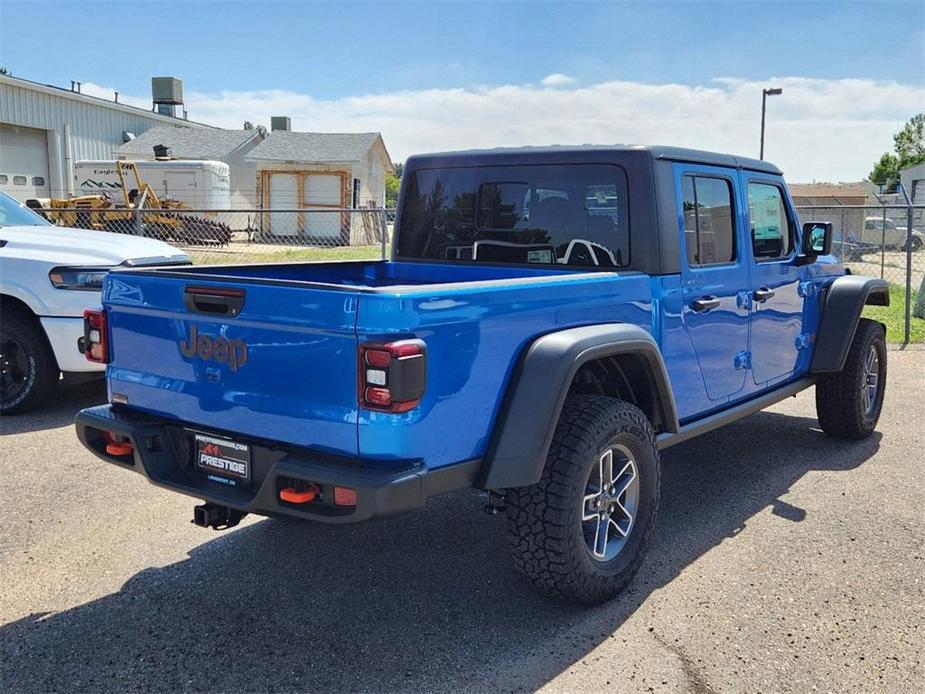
(379, 358)
(380, 397)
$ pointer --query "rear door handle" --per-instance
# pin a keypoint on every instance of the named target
(763, 294)
(705, 303)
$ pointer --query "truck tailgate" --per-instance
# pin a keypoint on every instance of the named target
(269, 361)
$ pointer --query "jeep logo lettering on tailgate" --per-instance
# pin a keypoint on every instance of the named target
(221, 349)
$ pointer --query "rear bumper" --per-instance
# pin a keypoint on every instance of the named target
(163, 452)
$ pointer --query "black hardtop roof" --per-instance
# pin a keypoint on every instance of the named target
(597, 153)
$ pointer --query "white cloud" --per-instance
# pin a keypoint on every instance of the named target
(557, 79)
(817, 129)
(108, 93)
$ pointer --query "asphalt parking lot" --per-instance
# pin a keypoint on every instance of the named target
(783, 561)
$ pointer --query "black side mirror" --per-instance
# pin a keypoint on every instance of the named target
(817, 238)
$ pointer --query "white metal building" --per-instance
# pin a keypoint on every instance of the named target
(45, 129)
(314, 171)
(913, 180)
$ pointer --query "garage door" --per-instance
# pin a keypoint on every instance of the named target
(284, 195)
(24, 162)
(322, 191)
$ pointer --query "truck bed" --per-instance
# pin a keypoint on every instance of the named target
(302, 326)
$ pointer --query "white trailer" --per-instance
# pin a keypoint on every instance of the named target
(201, 184)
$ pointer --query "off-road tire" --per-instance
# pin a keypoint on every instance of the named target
(41, 369)
(545, 520)
(840, 403)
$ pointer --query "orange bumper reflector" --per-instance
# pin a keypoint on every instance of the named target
(295, 497)
(119, 448)
(345, 497)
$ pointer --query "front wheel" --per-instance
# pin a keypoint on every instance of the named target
(848, 402)
(582, 531)
(28, 370)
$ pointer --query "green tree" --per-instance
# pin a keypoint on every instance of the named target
(909, 148)
(886, 171)
(910, 141)
(392, 183)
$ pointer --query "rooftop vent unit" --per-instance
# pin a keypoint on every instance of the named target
(166, 94)
(163, 152)
(281, 123)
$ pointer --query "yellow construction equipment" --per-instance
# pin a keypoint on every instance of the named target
(160, 218)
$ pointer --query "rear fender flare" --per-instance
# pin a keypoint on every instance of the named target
(537, 391)
(845, 298)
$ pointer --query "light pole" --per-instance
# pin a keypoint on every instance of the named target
(765, 93)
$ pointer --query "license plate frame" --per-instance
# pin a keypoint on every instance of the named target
(223, 458)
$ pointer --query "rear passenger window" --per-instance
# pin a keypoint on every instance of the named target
(772, 236)
(709, 230)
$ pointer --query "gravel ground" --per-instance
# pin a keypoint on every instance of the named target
(782, 561)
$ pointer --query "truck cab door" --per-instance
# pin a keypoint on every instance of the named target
(714, 275)
(776, 303)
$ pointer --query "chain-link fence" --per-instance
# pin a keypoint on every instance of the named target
(886, 241)
(239, 236)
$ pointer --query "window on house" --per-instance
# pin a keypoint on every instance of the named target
(19, 180)
(38, 181)
(709, 229)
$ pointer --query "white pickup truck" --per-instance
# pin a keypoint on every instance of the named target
(48, 276)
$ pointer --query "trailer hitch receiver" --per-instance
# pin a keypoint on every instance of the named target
(209, 515)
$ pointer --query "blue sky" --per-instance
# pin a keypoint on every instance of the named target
(439, 76)
(335, 49)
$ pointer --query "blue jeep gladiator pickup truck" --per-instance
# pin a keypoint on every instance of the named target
(549, 320)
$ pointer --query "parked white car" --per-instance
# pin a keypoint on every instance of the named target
(886, 232)
(48, 276)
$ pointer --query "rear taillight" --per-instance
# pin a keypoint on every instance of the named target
(95, 345)
(392, 375)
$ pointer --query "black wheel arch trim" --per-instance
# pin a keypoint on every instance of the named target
(845, 298)
(534, 398)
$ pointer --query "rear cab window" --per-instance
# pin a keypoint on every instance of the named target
(574, 215)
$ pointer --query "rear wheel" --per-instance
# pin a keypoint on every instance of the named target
(582, 531)
(848, 403)
(28, 370)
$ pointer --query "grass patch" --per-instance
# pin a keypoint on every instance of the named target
(894, 317)
(252, 255)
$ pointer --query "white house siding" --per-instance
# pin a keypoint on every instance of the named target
(77, 127)
(913, 180)
(243, 180)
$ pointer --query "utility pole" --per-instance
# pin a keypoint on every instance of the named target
(765, 93)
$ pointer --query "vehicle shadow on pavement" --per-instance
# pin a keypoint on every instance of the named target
(60, 411)
(427, 601)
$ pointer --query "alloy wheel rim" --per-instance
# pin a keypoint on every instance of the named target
(610, 503)
(870, 385)
(14, 368)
